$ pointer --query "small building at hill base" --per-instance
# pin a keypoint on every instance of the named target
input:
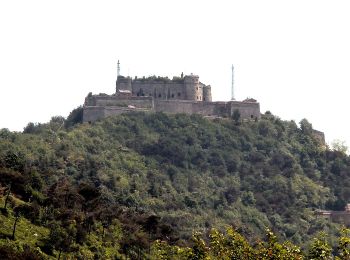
(185, 94)
(342, 217)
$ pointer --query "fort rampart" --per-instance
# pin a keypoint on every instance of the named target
(180, 95)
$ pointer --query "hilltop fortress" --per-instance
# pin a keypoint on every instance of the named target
(184, 94)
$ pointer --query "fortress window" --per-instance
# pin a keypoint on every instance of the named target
(204, 99)
(196, 88)
(179, 94)
(160, 95)
(197, 97)
(172, 95)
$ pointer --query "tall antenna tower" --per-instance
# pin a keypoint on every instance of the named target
(232, 86)
(118, 69)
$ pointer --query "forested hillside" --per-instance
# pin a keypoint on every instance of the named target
(110, 189)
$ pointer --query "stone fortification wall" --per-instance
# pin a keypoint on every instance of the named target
(92, 114)
(159, 90)
(112, 111)
(191, 107)
(342, 217)
(186, 88)
(139, 102)
(210, 108)
(320, 136)
(223, 109)
(113, 100)
(248, 110)
(101, 106)
(207, 108)
(180, 95)
(172, 106)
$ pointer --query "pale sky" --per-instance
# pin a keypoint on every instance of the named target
(292, 56)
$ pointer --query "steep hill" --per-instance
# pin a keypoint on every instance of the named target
(148, 176)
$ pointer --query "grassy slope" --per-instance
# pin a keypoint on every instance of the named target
(26, 232)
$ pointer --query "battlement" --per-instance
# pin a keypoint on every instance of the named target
(184, 94)
(179, 88)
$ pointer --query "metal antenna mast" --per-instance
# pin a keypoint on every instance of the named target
(232, 87)
(118, 69)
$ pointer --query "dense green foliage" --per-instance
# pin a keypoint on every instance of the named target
(113, 187)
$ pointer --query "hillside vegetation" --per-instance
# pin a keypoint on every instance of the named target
(110, 189)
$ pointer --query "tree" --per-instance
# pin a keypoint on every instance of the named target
(8, 251)
(199, 248)
(248, 198)
(339, 146)
(150, 226)
(17, 216)
(31, 128)
(236, 116)
(59, 238)
(344, 244)
(305, 126)
(8, 192)
(319, 248)
(56, 123)
(75, 117)
(18, 212)
(15, 161)
(274, 250)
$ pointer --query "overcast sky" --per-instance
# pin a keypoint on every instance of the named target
(292, 56)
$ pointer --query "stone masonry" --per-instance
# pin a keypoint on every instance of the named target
(185, 94)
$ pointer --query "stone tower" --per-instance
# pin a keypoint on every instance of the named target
(207, 93)
(193, 89)
(123, 83)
